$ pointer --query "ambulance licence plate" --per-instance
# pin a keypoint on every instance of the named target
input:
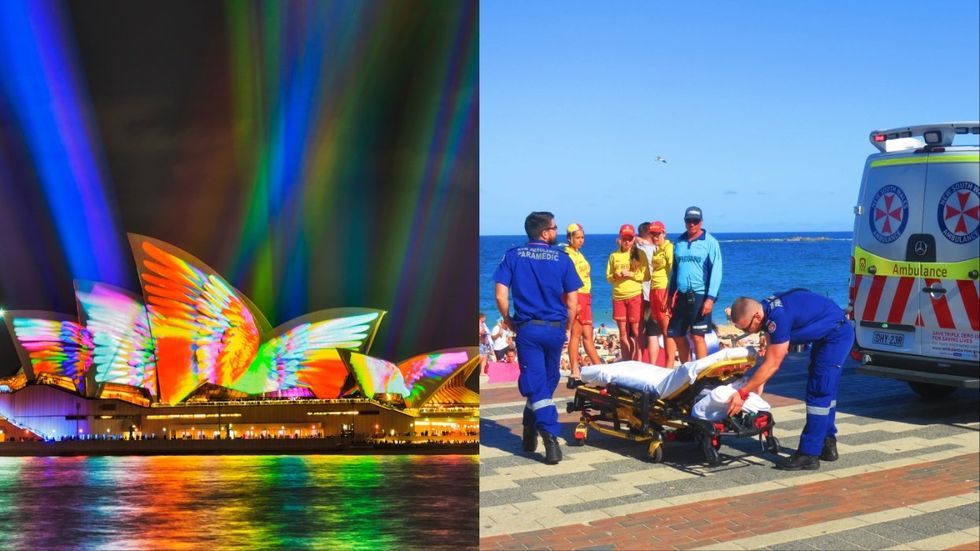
(888, 339)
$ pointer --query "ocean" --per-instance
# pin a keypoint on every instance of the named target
(753, 264)
(240, 502)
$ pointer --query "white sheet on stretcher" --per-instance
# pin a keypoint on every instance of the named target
(660, 380)
(713, 405)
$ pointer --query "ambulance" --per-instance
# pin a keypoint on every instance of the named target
(914, 294)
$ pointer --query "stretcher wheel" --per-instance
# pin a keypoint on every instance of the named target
(772, 444)
(580, 433)
(711, 456)
(655, 452)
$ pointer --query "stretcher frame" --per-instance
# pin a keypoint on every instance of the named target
(642, 416)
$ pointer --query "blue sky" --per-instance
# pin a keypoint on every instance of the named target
(763, 114)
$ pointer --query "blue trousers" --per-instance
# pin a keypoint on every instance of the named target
(539, 353)
(827, 358)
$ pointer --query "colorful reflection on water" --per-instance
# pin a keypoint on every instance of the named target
(254, 502)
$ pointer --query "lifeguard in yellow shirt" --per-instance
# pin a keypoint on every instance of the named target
(582, 324)
(626, 271)
(663, 262)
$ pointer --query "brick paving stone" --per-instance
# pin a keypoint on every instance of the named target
(834, 499)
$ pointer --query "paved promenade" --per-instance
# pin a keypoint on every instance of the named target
(907, 478)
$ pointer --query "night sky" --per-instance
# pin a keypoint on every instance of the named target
(396, 89)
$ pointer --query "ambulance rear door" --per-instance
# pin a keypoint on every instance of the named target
(886, 301)
(948, 291)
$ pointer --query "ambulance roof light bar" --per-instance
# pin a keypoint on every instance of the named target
(940, 134)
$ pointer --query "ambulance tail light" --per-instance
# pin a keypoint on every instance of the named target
(851, 293)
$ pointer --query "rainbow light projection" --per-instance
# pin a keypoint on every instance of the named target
(377, 376)
(123, 347)
(206, 331)
(53, 344)
(304, 352)
(39, 76)
(426, 373)
(197, 329)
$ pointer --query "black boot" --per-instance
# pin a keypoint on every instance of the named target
(530, 438)
(552, 452)
(800, 462)
(829, 452)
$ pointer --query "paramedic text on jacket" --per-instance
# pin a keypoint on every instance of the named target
(801, 317)
(538, 277)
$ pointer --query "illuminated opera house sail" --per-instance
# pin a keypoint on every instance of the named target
(194, 358)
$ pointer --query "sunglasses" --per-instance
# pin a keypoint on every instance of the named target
(749, 324)
(627, 238)
(692, 220)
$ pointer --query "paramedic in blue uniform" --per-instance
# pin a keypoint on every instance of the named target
(695, 281)
(542, 282)
(801, 317)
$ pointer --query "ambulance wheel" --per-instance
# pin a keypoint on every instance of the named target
(655, 452)
(931, 391)
(772, 445)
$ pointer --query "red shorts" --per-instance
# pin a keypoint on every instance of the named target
(629, 310)
(658, 301)
(584, 315)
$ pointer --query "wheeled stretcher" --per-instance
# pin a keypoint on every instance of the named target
(651, 404)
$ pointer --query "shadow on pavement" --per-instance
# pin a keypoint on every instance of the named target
(878, 397)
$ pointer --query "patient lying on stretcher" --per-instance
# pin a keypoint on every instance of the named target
(710, 404)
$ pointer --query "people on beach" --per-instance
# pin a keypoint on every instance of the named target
(581, 324)
(662, 264)
(486, 343)
(798, 317)
(695, 280)
(503, 338)
(647, 334)
(626, 271)
(542, 282)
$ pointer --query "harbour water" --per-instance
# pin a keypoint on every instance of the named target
(754, 265)
(241, 502)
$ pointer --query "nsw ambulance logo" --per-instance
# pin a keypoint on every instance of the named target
(889, 213)
(959, 212)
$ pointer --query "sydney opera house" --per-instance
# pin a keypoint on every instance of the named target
(193, 358)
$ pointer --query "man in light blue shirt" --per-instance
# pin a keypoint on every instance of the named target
(694, 283)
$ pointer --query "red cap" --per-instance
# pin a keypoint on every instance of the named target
(627, 229)
(657, 227)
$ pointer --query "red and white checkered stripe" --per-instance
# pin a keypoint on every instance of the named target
(896, 300)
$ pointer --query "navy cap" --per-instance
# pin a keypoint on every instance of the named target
(693, 212)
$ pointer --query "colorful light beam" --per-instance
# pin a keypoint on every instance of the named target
(39, 76)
